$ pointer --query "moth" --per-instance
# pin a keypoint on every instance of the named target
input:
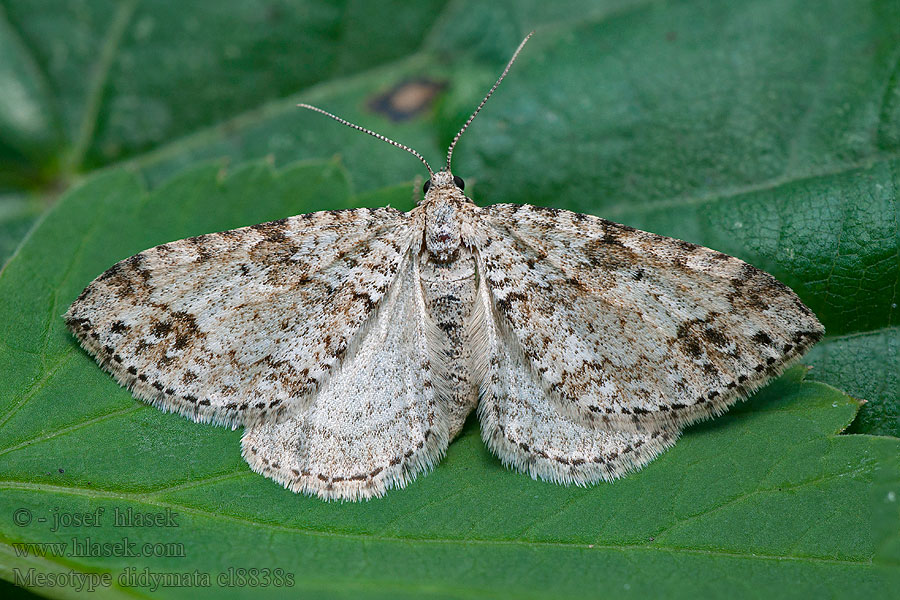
(351, 345)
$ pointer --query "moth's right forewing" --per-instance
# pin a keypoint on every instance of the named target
(632, 329)
(242, 326)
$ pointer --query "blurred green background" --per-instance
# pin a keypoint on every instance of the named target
(767, 129)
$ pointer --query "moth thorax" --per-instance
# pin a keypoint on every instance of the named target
(442, 229)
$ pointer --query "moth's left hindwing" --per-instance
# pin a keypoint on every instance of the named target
(376, 424)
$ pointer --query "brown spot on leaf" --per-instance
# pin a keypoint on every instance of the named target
(407, 99)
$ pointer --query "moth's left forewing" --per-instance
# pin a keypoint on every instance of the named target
(633, 329)
(243, 326)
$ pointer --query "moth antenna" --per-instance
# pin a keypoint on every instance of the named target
(372, 133)
(496, 85)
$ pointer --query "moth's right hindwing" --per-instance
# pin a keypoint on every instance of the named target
(524, 427)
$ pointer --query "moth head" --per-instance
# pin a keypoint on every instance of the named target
(443, 179)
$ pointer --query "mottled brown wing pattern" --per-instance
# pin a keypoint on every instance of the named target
(230, 327)
(631, 329)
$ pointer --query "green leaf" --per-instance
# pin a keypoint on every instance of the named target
(17, 215)
(869, 364)
(767, 494)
